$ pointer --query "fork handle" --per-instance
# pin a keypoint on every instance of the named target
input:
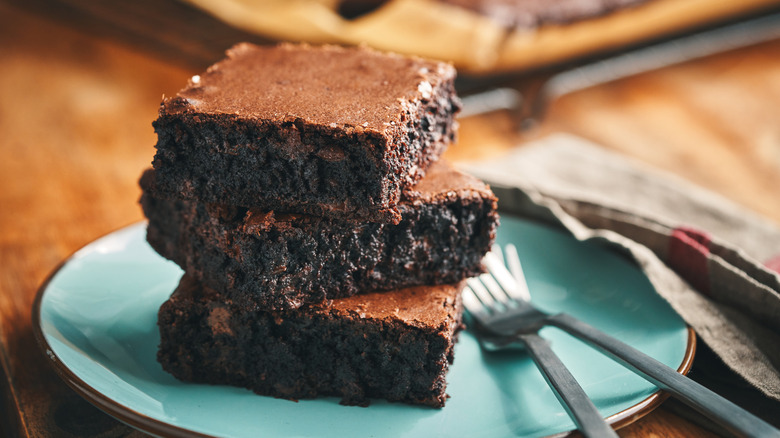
(730, 416)
(571, 395)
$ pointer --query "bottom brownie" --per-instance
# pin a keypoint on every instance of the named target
(395, 345)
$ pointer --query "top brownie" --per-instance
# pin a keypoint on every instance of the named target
(325, 131)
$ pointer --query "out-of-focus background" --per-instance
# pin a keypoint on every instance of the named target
(81, 81)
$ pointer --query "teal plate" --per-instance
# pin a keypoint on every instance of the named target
(95, 318)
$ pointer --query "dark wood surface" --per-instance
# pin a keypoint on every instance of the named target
(75, 117)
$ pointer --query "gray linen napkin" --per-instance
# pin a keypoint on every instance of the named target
(710, 258)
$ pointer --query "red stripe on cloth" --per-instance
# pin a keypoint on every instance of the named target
(773, 263)
(688, 253)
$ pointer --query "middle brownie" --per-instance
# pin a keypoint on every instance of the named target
(282, 261)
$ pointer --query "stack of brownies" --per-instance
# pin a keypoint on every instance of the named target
(324, 243)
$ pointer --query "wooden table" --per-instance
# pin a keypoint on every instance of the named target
(75, 124)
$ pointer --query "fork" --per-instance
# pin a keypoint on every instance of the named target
(505, 319)
(503, 313)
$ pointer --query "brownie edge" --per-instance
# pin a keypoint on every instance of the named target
(394, 345)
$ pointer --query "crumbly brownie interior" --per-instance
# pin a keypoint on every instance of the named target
(280, 261)
(393, 345)
(341, 141)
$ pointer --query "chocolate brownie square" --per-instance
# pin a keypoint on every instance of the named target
(324, 131)
(281, 261)
(395, 345)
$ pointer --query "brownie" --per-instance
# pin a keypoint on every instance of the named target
(281, 261)
(394, 345)
(324, 131)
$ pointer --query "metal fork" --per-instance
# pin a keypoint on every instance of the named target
(505, 319)
(505, 316)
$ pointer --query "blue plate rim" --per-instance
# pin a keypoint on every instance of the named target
(151, 425)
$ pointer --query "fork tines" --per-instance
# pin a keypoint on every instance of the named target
(498, 287)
